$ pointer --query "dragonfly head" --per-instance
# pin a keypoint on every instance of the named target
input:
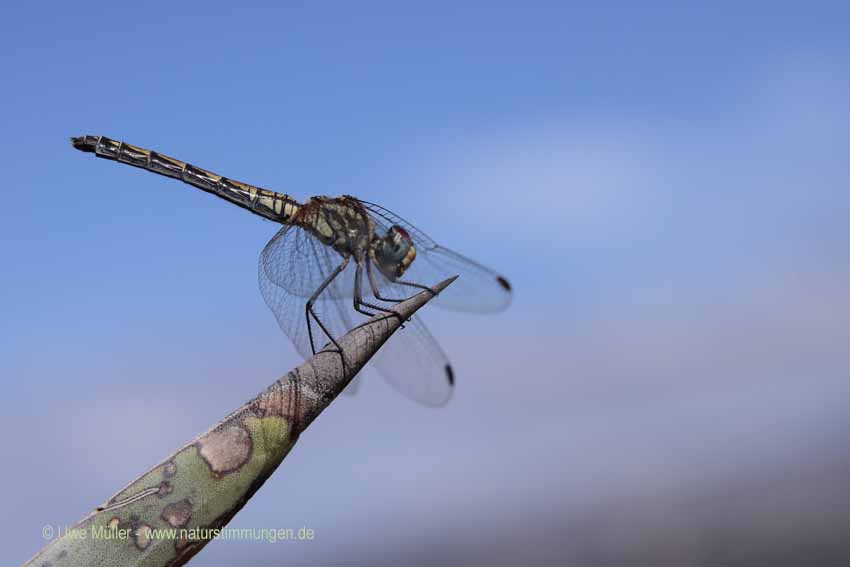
(393, 253)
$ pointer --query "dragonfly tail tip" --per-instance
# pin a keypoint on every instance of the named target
(81, 143)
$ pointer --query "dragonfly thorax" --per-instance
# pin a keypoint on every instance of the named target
(344, 224)
(393, 253)
(340, 223)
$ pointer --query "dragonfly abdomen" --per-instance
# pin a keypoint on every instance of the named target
(275, 206)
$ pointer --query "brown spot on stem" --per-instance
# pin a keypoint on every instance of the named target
(165, 489)
(169, 470)
(225, 450)
(142, 536)
(185, 548)
(181, 543)
(177, 514)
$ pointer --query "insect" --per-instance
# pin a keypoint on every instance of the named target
(340, 258)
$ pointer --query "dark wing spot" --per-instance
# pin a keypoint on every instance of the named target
(504, 283)
(450, 374)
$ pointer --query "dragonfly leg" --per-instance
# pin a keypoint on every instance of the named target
(377, 294)
(309, 307)
(374, 285)
(409, 284)
(358, 296)
(357, 293)
(416, 285)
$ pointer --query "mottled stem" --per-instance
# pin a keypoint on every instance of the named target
(167, 515)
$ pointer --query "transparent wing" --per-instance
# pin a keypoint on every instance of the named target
(413, 362)
(478, 289)
(294, 264)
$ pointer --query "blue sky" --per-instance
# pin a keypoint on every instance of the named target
(664, 184)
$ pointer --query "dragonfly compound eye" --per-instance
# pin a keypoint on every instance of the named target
(394, 252)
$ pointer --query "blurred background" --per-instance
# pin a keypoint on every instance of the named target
(665, 184)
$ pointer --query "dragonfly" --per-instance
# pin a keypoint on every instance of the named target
(341, 259)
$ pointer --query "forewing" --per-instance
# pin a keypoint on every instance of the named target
(479, 289)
